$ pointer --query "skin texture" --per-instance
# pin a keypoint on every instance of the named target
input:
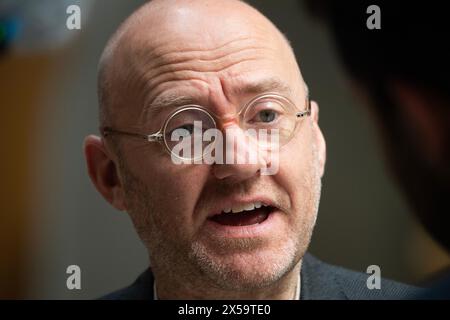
(173, 49)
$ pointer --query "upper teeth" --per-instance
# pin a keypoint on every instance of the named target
(244, 207)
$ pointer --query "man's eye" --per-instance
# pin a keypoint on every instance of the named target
(265, 116)
(183, 131)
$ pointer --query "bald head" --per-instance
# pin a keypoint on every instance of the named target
(158, 40)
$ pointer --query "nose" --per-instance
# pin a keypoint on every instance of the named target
(242, 158)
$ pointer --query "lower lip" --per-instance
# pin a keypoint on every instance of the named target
(272, 223)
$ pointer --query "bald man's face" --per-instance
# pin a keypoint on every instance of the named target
(218, 57)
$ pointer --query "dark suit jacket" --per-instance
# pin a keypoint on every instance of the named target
(439, 291)
(319, 281)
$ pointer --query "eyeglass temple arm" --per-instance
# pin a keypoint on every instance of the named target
(307, 112)
(151, 137)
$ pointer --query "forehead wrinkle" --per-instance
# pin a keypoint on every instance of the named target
(204, 64)
(273, 84)
(170, 48)
(178, 75)
(136, 77)
(150, 82)
(195, 60)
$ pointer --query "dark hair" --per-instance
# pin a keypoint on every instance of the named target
(410, 46)
(412, 43)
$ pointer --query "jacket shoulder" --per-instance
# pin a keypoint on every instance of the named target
(141, 289)
(321, 280)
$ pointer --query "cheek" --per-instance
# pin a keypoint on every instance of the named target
(176, 189)
(298, 174)
(298, 158)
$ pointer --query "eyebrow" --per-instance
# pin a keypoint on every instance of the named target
(173, 100)
(265, 85)
(167, 101)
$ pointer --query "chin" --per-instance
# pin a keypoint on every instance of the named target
(246, 269)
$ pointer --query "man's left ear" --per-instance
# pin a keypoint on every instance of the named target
(320, 140)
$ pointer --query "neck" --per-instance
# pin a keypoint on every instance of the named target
(168, 287)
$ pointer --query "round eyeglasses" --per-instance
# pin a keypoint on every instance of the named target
(186, 127)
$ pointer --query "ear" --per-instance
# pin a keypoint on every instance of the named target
(320, 140)
(103, 171)
(420, 109)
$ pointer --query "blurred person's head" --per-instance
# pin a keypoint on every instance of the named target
(220, 229)
(402, 70)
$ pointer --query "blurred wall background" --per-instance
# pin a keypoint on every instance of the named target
(52, 217)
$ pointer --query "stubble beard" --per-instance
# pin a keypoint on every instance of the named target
(199, 263)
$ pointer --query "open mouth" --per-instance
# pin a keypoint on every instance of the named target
(251, 214)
